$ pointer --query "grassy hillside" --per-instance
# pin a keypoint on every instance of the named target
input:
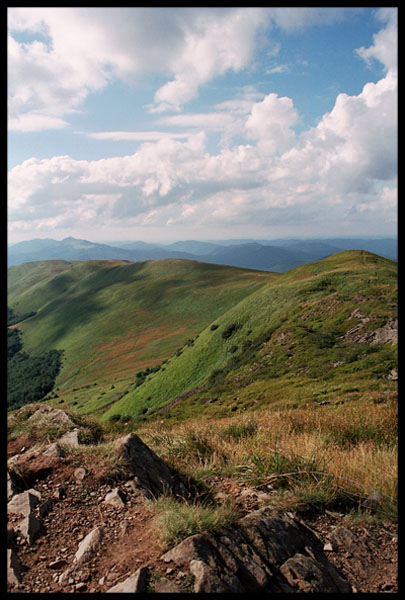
(114, 318)
(288, 343)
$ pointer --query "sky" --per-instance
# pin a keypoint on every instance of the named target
(164, 124)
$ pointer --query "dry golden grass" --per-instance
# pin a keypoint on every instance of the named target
(341, 450)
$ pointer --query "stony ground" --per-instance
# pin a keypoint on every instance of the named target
(77, 505)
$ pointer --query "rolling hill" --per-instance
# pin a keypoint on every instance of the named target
(171, 338)
(114, 318)
(288, 342)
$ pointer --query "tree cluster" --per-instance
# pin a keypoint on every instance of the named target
(29, 378)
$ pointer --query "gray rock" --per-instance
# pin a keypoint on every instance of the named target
(79, 473)
(342, 538)
(23, 503)
(13, 568)
(70, 438)
(387, 334)
(133, 584)
(306, 575)
(165, 586)
(265, 551)
(151, 475)
(54, 450)
(115, 498)
(88, 546)
(29, 528)
(46, 413)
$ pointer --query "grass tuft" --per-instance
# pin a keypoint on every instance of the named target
(176, 521)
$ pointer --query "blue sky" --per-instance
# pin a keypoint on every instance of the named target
(160, 124)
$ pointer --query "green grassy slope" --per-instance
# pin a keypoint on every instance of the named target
(113, 318)
(287, 342)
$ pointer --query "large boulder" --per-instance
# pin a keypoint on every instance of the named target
(265, 551)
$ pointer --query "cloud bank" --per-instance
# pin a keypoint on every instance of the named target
(343, 169)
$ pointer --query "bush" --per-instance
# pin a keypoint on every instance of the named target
(114, 418)
(230, 330)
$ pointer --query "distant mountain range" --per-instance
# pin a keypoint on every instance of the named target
(268, 255)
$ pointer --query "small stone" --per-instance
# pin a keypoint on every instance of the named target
(79, 474)
(57, 564)
(80, 587)
(54, 450)
(115, 498)
(328, 547)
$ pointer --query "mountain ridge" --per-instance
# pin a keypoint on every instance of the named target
(276, 255)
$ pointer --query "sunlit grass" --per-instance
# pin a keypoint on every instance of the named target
(294, 452)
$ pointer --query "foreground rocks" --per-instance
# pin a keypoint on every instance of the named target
(69, 532)
(265, 551)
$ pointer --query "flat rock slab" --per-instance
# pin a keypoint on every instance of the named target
(265, 551)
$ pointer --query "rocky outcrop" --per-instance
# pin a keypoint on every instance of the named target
(46, 414)
(387, 334)
(266, 551)
(150, 473)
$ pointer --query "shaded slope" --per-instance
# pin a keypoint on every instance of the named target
(112, 317)
(281, 342)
